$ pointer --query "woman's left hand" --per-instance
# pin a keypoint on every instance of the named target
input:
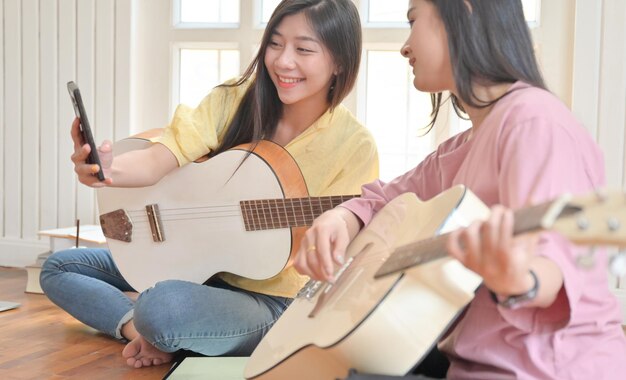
(489, 249)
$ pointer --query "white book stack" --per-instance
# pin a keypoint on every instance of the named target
(63, 238)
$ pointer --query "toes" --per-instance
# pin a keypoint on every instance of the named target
(131, 349)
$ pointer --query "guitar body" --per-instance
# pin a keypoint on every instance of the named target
(385, 325)
(202, 225)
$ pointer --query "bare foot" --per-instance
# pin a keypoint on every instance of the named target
(139, 353)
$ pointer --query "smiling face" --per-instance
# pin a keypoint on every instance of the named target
(427, 48)
(300, 66)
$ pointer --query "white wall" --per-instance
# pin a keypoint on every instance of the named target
(599, 87)
(554, 44)
(45, 44)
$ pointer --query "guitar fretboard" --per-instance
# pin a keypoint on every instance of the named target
(427, 250)
(266, 214)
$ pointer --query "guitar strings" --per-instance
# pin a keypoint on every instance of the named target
(431, 248)
(213, 212)
(223, 217)
(293, 206)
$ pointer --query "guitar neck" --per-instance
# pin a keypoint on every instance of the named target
(525, 220)
(265, 214)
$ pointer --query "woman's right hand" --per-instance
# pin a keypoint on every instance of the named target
(325, 243)
(86, 172)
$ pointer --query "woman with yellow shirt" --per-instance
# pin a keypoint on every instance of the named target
(290, 94)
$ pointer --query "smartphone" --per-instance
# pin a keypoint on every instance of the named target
(85, 129)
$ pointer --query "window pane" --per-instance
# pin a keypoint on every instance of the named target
(396, 113)
(229, 65)
(209, 11)
(387, 11)
(203, 69)
(267, 9)
(531, 10)
(394, 11)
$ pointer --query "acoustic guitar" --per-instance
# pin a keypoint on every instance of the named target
(398, 291)
(238, 212)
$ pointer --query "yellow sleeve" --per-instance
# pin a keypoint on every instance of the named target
(360, 166)
(340, 157)
(195, 132)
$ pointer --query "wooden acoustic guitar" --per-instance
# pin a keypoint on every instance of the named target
(398, 292)
(225, 214)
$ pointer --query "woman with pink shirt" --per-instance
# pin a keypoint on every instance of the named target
(538, 315)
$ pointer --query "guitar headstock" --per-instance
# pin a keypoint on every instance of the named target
(593, 219)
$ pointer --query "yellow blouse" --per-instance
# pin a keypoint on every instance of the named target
(336, 155)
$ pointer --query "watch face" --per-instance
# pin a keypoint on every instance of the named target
(518, 300)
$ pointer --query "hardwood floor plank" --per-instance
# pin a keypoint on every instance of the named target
(38, 340)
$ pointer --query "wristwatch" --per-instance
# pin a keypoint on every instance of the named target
(517, 300)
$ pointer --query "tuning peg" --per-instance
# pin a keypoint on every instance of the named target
(613, 224)
(617, 265)
(587, 260)
(582, 223)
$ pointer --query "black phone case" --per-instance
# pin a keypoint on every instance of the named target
(79, 110)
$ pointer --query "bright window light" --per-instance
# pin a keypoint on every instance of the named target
(267, 9)
(209, 11)
(387, 11)
(532, 12)
(396, 113)
(203, 69)
(391, 12)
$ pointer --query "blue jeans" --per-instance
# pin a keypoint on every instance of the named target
(214, 319)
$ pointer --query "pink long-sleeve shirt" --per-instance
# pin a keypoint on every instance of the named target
(529, 149)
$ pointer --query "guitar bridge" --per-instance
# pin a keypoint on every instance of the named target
(310, 289)
(117, 225)
(154, 218)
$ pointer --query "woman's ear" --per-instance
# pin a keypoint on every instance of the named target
(338, 70)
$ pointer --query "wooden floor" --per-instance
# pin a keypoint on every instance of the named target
(40, 341)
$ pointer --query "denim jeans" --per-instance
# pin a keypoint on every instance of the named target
(214, 319)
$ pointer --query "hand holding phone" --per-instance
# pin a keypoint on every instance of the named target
(85, 129)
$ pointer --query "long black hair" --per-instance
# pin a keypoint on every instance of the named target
(489, 43)
(337, 25)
